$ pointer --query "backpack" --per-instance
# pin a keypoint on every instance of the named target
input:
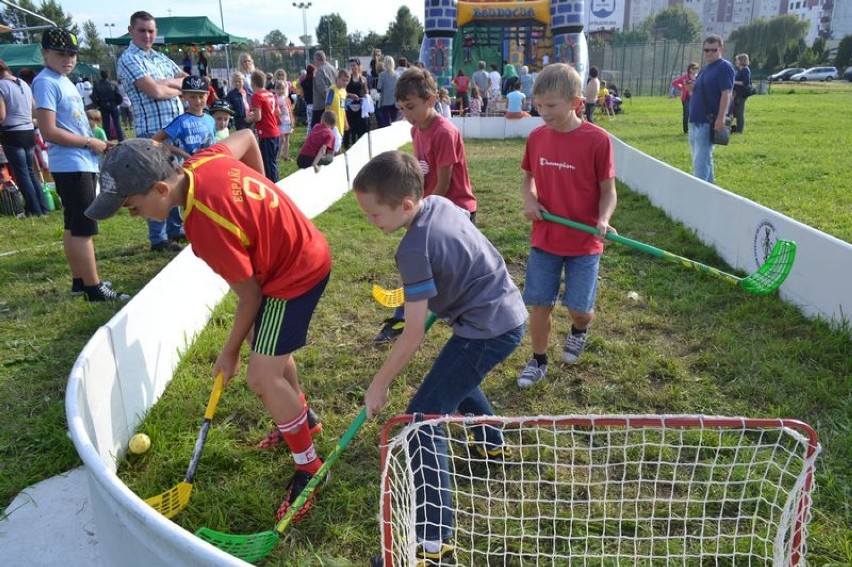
(11, 200)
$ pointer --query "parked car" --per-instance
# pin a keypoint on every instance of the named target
(785, 74)
(847, 75)
(817, 74)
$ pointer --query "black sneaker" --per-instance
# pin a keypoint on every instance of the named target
(103, 292)
(167, 246)
(179, 239)
(295, 487)
(444, 556)
(488, 453)
(78, 287)
(392, 329)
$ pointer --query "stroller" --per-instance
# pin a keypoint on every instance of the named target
(615, 102)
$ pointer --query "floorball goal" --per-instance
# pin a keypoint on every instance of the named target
(608, 490)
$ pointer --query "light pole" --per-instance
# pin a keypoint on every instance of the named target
(109, 28)
(303, 6)
(111, 52)
(227, 45)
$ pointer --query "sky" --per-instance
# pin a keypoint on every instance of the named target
(248, 18)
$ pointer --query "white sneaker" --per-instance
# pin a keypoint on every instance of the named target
(573, 347)
(532, 373)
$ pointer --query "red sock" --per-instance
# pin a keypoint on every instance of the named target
(298, 438)
(303, 399)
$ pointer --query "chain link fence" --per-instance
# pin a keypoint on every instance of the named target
(648, 69)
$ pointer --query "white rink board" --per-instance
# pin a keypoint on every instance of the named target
(128, 362)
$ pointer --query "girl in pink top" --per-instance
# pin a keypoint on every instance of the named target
(685, 83)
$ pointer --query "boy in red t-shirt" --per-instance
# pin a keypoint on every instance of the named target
(568, 171)
(318, 148)
(250, 233)
(266, 118)
(439, 148)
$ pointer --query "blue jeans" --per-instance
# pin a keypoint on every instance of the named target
(702, 151)
(160, 232)
(451, 386)
(269, 152)
(21, 163)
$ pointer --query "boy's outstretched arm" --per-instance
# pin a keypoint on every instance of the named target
(532, 208)
(403, 350)
(606, 205)
(243, 146)
(249, 296)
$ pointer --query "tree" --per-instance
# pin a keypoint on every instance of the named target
(276, 39)
(676, 24)
(844, 53)
(404, 34)
(636, 36)
(50, 9)
(331, 33)
(761, 38)
(93, 49)
(361, 44)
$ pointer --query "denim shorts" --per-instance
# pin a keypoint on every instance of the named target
(544, 276)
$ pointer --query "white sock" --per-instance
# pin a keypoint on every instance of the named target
(430, 546)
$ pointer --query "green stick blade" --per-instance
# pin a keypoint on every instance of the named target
(774, 271)
(250, 548)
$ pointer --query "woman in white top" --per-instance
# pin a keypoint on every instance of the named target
(593, 88)
(246, 69)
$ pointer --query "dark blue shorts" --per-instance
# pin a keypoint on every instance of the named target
(281, 325)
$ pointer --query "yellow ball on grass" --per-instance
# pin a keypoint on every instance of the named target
(139, 443)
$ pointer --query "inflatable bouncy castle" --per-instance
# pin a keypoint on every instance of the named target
(521, 32)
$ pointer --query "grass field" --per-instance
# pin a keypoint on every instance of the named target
(690, 345)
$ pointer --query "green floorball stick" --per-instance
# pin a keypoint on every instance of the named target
(765, 280)
(254, 547)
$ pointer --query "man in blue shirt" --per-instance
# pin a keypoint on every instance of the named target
(153, 83)
(708, 106)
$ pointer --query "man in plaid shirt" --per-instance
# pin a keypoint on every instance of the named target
(153, 83)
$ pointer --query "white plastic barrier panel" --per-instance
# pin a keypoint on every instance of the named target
(743, 232)
(127, 364)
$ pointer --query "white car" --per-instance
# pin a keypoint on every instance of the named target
(817, 74)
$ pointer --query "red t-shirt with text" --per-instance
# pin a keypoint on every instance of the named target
(267, 102)
(440, 145)
(567, 168)
(242, 225)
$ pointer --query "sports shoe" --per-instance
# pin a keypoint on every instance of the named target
(573, 347)
(532, 373)
(103, 292)
(295, 487)
(483, 452)
(167, 246)
(444, 556)
(78, 287)
(392, 329)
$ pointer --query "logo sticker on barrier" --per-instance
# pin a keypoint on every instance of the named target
(765, 238)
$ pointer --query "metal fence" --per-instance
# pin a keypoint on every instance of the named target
(648, 69)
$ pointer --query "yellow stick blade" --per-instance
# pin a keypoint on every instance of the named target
(171, 502)
(387, 297)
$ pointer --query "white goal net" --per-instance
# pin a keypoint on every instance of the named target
(601, 490)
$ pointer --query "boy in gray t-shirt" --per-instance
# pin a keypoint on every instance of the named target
(448, 267)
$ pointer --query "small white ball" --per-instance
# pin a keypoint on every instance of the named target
(633, 295)
(139, 443)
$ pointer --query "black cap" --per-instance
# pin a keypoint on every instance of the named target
(60, 40)
(221, 105)
(195, 84)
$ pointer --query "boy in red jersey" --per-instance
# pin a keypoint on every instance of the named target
(568, 171)
(266, 118)
(318, 148)
(250, 233)
(439, 148)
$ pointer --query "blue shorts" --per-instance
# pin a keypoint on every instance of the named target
(544, 276)
(281, 325)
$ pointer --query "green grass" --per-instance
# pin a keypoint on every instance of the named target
(690, 345)
(791, 157)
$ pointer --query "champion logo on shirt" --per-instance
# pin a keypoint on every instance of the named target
(559, 165)
(424, 166)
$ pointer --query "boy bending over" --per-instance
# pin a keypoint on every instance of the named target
(250, 233)
(448, 267)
